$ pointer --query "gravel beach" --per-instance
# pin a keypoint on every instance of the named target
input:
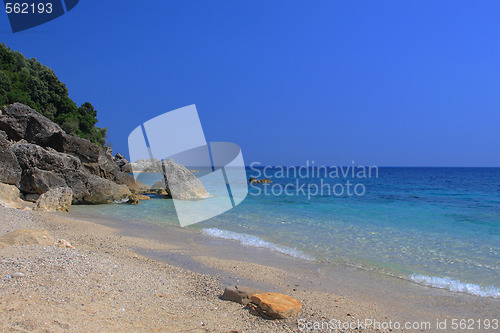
(106, 283)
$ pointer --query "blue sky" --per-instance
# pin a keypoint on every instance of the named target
(388, 83)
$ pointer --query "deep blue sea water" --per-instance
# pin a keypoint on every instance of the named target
(435, 226)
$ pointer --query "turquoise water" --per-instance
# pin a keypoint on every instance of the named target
(435, 226)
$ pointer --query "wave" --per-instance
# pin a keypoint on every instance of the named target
(456, 285)
(249, 240)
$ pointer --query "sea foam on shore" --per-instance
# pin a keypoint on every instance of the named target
(456, 285)
(249, 240)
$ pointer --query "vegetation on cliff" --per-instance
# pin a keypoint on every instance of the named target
(29, 82)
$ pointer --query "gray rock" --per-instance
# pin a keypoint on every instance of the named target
(45, 169)
(57, 199)
(85, 150)
(106, 168)
(38, 181)
(122, 163)
(239, 294)
(22, 122)
(32, 156)
(180, 183)
(10, 171)
(31, 197)
(17, 275)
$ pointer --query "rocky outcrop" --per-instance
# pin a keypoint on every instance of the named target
(180, 183)
(44, 169)
(10, 171)
(21, 122)
(58, 199)
(240, 294)
(134, 198)
(105, 167)
(122, 163)
(260, 181)
(276, 305)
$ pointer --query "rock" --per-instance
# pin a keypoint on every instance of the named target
(181, 183)
(135, 198)
(38, 181)
(260, 181)
(9, 193)
(91, 189)
(57, 199)
(30, 197)
(86, 151)
(27, 237)
(146, 165)
(122, 163)
(32, 156)
(45, 169)
(276, 305)
(64, 244)
(17, 275)
(106, 168)
(11, 197)
(240, 294)
(162, 191)
(22, 122)
(10, 171)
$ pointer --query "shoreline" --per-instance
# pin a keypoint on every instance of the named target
(203, 263)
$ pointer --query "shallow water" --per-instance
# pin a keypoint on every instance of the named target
(435, 226)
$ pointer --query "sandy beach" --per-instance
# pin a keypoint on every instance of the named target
(133, 277)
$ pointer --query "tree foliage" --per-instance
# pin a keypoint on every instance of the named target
(29, 82)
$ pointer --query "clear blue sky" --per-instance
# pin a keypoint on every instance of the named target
(389, 83)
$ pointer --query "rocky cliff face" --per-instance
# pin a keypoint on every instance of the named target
(37, 155)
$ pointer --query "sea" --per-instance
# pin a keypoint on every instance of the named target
(438, 227)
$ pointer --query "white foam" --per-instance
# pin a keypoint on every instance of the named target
(456, 285)
(249, 240)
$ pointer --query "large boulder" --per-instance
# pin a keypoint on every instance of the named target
(91, 189)
(10, 171)
(180, 183)
(22, 122)
(57, 199)
(45, 169)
